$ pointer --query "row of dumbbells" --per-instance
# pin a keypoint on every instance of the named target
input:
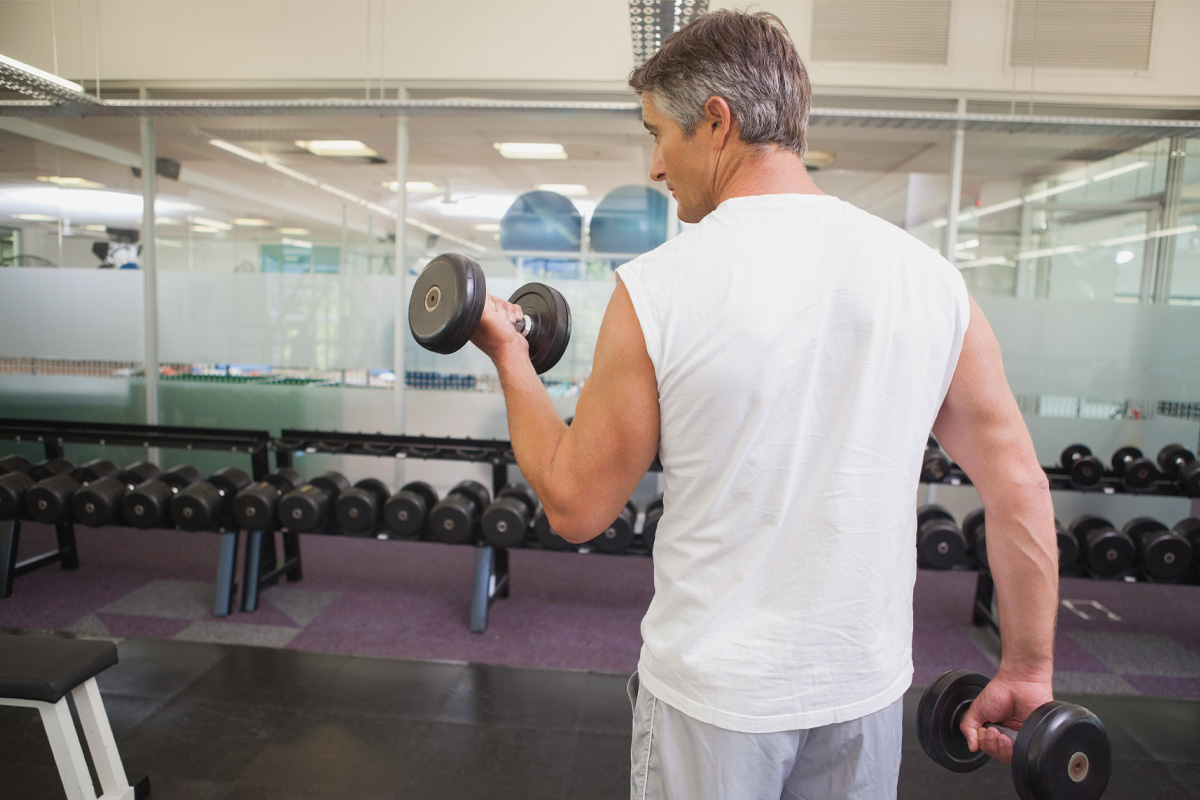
(1090, 544)
(1084, 470)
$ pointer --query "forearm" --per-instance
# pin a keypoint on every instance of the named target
(534, 426)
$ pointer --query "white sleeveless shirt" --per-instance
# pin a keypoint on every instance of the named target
(802, 349)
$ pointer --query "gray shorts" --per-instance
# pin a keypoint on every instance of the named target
(677, 757)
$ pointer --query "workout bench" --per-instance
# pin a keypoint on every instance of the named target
(38, 672)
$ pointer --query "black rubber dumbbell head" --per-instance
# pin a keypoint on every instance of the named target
(546, 535)
(550, 317)
(359, 509)
(49, 501)
(974, 528)
(654, 512)
(455, 519)
(406, 511)
(310, 507)
(13, 488)
(507, 519)
(1083, 468)
(1106, 552)
(1135, 470)
(1165, 556)
(935, 465)
(1068, 547)
(99, 503)
(447, 303)
(14, 463)
(207, 506)
(147, 505)
(1174, 457)
(940, 543)
(49, 468)
(616, 538)
(95, 470)
(254, 507)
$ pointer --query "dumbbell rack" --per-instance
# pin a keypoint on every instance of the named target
(982, 612)
(54, 435)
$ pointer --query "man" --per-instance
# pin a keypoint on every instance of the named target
(787, 356)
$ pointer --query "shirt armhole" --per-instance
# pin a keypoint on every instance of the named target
(637, 295)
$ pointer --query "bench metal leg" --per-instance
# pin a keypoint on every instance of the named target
(68, 752)
(251, 569)
(226, 566)
(101, 742)
(10, 537)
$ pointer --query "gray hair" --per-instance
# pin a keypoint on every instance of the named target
(747, 59)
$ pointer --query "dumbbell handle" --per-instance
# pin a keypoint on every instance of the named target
(524, 326)
(1009, 732)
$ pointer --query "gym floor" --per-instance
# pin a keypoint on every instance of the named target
(228, 721)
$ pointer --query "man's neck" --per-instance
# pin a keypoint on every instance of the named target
(748, 172)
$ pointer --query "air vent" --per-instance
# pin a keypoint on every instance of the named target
(652, 21)
(881, 31)
(1082, 34)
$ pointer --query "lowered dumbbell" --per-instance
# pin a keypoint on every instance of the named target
(254, 507)
(99, 503)
(405, 512)
(14, 463)
(935, 465)
(1083, 468)
(456, 518)
(617, 537)
(506, 521)
(358, 509)
(447, 303)
(311, 507)
(208, 505)
(1179, 464)
(940, 543)
(1134, 469)
(49, 501)
(148, 504)
(1163, 554)
(546, 535)
(1061, 752)
(1189, 529)
(1106, 551)
(654, 512)
(14, 485)
(975, 530)
(1068, 547)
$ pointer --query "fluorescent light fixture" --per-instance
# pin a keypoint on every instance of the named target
(1044, 193)
(167, 221)
(96, 228)
(167, 243)
(295, 231)
(252, 222)
(206, 229)
(79, 202)
(1049, 251)
(412, 186)
(1141, 237)
(71, 183)
(237, 151)
(1112, 173)
(297, 243)
(1124, 256)
(991, 261)
(36, 217)
(337, 148)
(539, 150)
(967, 245)
(46, 76)
(565, 189)
(211, 223)
(488, 227)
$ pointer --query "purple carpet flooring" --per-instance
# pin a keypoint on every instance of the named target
(412, 600)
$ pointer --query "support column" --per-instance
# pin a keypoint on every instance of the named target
(149, 263)
(956, 171)
(400, 269)
(1164, 246)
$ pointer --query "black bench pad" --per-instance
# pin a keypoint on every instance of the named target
(45, 668)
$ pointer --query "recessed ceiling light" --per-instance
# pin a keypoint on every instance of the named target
(71, 183)
(206, 229)
(36, 217)
(542, 150)
(297, 243)
(252, 222)
(294, 231)
(336, 148)
(488, 226)
(212, 223)
(96, 228)
(567, 189)
(413, 186)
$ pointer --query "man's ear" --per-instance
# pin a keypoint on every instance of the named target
(718, 116)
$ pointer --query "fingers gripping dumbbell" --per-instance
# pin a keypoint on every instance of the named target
(1180, 464)
(147, 505)
(1083, 468)
(358, 510)
(940, 543)
(1106, 551)
(448, 301)
(310, 508)
(509, 517)
(654, 512)
(1061, 752)
(1165, 556)
(1134, 469)
(15, 485)
(406, 511)
(254, 507)
(99, 503)
(456, 518)
(208, 505)
(49, 501)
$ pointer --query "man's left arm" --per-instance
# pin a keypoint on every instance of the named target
(583, 474)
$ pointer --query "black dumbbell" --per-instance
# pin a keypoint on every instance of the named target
(617, 537)
(99, 503)
(1061, 752)
(1106, 551)
(1189, 528)
(447, 303)
(1068, 547)
(148, 504)
(456, 518)
(14, 485)
(1083, 468)
(654, 512)
(358, 509)
(254, 507)
(311, 507)
(1134, 469)
(935, 466)
(1164, 556)
(208, 505)
(1179, 463)
(405, 512)
(508, 518)
(546, 535)
(49, 500)
(940, 543)
(14, 463)
(975, 530)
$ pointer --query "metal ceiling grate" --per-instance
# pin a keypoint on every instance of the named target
(1082, 34)
(652, 21)
(37, 85)
(881, 31)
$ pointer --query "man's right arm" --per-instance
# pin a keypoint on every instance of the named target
(981, 429)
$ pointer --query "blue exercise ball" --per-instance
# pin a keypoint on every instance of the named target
(630, 219)
(542, 220)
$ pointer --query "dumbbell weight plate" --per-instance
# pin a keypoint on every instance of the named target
(939, 715)
(406, 510)
(551, 316)
(548, 537)
(616, 537)
(447, 302)
(1062, 752)
(1165, 556)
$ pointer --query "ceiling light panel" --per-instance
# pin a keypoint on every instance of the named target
(652, 21)
(337, 148)
(549, 151)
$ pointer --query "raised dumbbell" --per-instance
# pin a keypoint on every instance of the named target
(508, 518)
(456, 518)
(406, 511)
(311, 507)
(1189, 529)
(940, 543)
(1164, 556)
(14, 463)
(49, 500)
(1068, 547)
(1106, 551)
(1134, 469)
(447, 303)
(1083, 468)
(208, 505)
(358, 509)
(1061, 752)
(148, 504)
(99, 503)
(546, 535)
(1179, 464)
(14, 485)
(975, 530)
(254, 507)
(616, 538)
(935, 466)
(654, 512)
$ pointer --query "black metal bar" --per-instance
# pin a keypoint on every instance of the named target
(377, 444)
(502, 575)
(251, 569)
(54, 448)
(10, 537)
(481, 594)
(985, 592)
(226, 566)
(37, 562)
(53, 433)
(68, 553)
(1060, 480)
(291, 557)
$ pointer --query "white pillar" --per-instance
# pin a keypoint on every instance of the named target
(400, 268)
(956, 171)
(149, 263)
